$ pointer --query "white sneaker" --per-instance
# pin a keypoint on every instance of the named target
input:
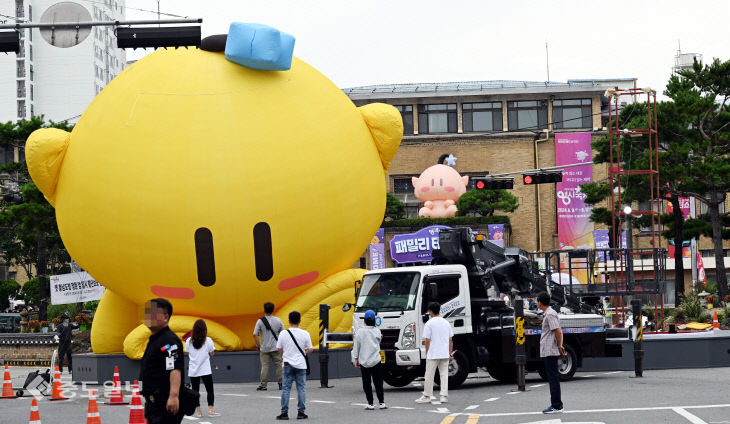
(370, 407)
(444, 399)
(435, 401)
(423, 399)
(383, 406)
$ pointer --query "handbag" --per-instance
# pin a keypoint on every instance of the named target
(306, 358)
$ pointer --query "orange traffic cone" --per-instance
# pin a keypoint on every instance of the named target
(57, 393)
(92, 417)
(8, 392)
(35, 417)
(116, 397)
(715, 325)
(136, 414)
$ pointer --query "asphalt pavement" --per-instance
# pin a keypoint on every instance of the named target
(694, 396)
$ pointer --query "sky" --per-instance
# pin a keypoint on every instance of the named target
(358, 43)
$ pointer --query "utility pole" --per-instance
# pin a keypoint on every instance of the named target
(547, 61)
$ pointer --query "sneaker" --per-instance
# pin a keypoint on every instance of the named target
(423, 399)
(260, 388)
(214, 414)
(551, 410)
(370, 407)
(383, 406)
(444, 399)
(282, 417)
(435, 401)
(302, 416)
(198, 414)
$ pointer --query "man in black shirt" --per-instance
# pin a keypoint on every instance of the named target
(162, 367)
(64, 340)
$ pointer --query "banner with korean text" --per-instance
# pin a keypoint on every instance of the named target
(74, 287)
(377, 250)
(575, 229)
(415, 247)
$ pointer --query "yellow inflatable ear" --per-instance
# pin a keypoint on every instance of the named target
(44, 152)
(386, 127)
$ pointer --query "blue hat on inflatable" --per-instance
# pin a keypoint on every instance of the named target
(369, 314)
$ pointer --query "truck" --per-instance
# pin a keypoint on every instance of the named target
(467, 276)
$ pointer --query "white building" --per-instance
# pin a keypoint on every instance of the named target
(58, 80)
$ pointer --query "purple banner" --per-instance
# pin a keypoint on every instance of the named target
(496, 234)
(575, 230)
(415, 247)
(600, 237)
(377, 250)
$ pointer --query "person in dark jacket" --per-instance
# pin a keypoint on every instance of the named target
(162, 367)
(65, 337)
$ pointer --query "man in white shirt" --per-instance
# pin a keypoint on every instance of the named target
(438, 338)
(294, 345)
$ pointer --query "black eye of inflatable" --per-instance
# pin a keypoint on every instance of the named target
(214, 43)
(262, 251)
(204, 256)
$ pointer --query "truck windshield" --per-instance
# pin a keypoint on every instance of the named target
(392, 290)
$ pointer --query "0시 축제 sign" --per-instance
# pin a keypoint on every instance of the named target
(74, 287)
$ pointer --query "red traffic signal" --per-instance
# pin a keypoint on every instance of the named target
(542, 178)
(494, 183)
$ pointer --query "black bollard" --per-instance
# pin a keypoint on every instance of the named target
(638, 351)
(520, 355)
(324, 324)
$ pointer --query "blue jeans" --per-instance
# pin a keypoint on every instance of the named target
(551, 369)
(289, 375)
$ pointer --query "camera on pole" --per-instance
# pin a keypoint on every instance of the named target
(542, 177)
(494, 183)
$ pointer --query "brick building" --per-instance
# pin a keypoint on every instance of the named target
(493, 127)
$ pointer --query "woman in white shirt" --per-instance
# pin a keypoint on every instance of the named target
(200, 348)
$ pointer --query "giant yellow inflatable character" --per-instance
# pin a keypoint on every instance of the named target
(219, 187)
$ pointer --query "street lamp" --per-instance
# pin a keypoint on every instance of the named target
(629, 245)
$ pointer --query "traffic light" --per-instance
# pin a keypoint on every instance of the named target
(143, 37)
(495, 183)
(10, 41)
(542, 178)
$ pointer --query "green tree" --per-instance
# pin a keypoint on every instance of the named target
(485, 202)
(394, 208)
(29, 237)
(9, 290)
(30, 293)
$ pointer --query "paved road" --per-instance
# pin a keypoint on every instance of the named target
(672, 396)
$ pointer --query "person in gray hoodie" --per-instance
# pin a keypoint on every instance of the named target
(366, 356)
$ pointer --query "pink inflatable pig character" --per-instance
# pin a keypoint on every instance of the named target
(439, 187)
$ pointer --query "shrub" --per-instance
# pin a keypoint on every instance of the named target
(710, 299)
(58, 320)
(649, 312)
(44, 324)
(82, 319)
(679, 314)
(692, 306)
(704, 318)
(727, 299)
(34, 325)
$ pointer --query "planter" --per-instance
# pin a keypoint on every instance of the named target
(44, 330)
(83, 327)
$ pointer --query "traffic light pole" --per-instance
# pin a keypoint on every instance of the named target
(58, 25)
(549, 168)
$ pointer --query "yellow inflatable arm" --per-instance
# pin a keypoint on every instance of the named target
(386, 127)
(44, 152)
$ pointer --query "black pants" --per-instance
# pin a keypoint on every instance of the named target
(64, 350)
(376, 373)
(157, 414)
(208, 382)
(551, 369)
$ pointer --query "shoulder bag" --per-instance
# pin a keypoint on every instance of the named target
(306, 358)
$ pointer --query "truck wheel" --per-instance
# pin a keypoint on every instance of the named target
(398, 378)
(567, 364)
(505, 373)
(458, 371)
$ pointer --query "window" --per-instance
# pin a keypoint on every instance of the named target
(21, 69)
(30, 33)
(704, 210)
(30, 12)
(403, 185)
(32, 113)
(21, 108)
(448, 289)
(575, 113)
(434, 119)
(527, 115)
(31, 94)
(31, 72)
(21, 89)
(21, 52)
(406, 112)
(482, 116)
(7, 155)
(31, 52)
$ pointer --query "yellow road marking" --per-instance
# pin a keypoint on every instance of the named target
(448, 420)
(473, 418)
